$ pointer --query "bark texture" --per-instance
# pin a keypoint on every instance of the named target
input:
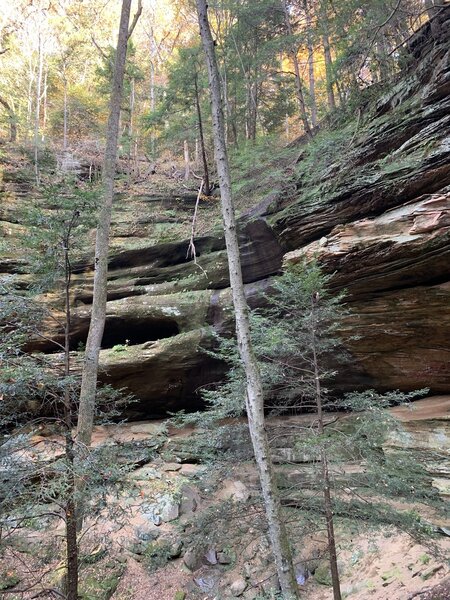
(298, 77)
(254, 399)
(206, 184)
(90, 369)
(328, 68)
(71, 581)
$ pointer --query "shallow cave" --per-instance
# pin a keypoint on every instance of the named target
(131, 332)
(120, 331)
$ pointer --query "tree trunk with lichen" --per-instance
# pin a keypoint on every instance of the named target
(254, 397)
(98, 314)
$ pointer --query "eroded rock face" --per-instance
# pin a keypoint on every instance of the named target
(396, 270)
(378, 221)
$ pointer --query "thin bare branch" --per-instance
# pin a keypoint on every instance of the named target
(135, 19)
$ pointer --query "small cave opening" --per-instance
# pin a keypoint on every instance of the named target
(137, 331)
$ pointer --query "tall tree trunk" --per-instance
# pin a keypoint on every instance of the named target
(251, 109)
(11, 118)
(382, 50)
(254, 397)
(248, 111)
(206, 185)
(65, 116)
(97, 323)
(226, 102)
(44, 105)
(37, 112)
(71, 580)
(196, 152)
(298, 77)
(326, 484)
(311, 76)
(187, 168)
(30, 97)
(328, 60)
(153, 55)
(131, 130)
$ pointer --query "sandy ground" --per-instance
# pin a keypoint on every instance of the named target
(378, 565)
(379, 568)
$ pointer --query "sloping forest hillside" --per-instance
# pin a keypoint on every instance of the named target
(171, 477)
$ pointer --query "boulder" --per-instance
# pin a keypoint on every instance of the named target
(193, 558)
(190, 499)
(237, 588)
(234, 490)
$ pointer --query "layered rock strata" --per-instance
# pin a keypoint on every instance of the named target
(377, 218)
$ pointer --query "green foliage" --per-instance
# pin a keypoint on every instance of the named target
(133, 71)
(101, 585)
(119, 348)
(85, 114)
(322, 574)
(157, 554)
(8, 580)
(282, 338)
(175, 118)
(39, 393)
(67, 209)
(296, 341)
(29, 383)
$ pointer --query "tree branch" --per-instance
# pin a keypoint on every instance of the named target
(135, 19)
(377, 31)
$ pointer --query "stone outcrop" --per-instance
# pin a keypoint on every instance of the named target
(377, 217)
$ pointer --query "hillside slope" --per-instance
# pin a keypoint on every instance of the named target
(371, 200)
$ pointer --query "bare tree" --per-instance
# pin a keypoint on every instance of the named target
(206, 184)
(98, 314)
(326, 483)
(312, 81)
(40, 68)
(11, 118)
(298, 77)
(328, 60)
(254, 396)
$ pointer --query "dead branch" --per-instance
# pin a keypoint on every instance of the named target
(135, 19)
(191, 252)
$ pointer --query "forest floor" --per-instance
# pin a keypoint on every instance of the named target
(186, 529)
(385, 566)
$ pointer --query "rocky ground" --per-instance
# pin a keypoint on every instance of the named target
(184, 528)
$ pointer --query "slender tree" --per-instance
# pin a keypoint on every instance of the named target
(98, 314)
(326, 483)
(38, 105)
(312, 80)
(298, 78)
(70, 504)
(328, 68)
(254, 391)
(183, 95)
(11, 118)
(206, 185)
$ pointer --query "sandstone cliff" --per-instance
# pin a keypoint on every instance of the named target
(375, 210)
